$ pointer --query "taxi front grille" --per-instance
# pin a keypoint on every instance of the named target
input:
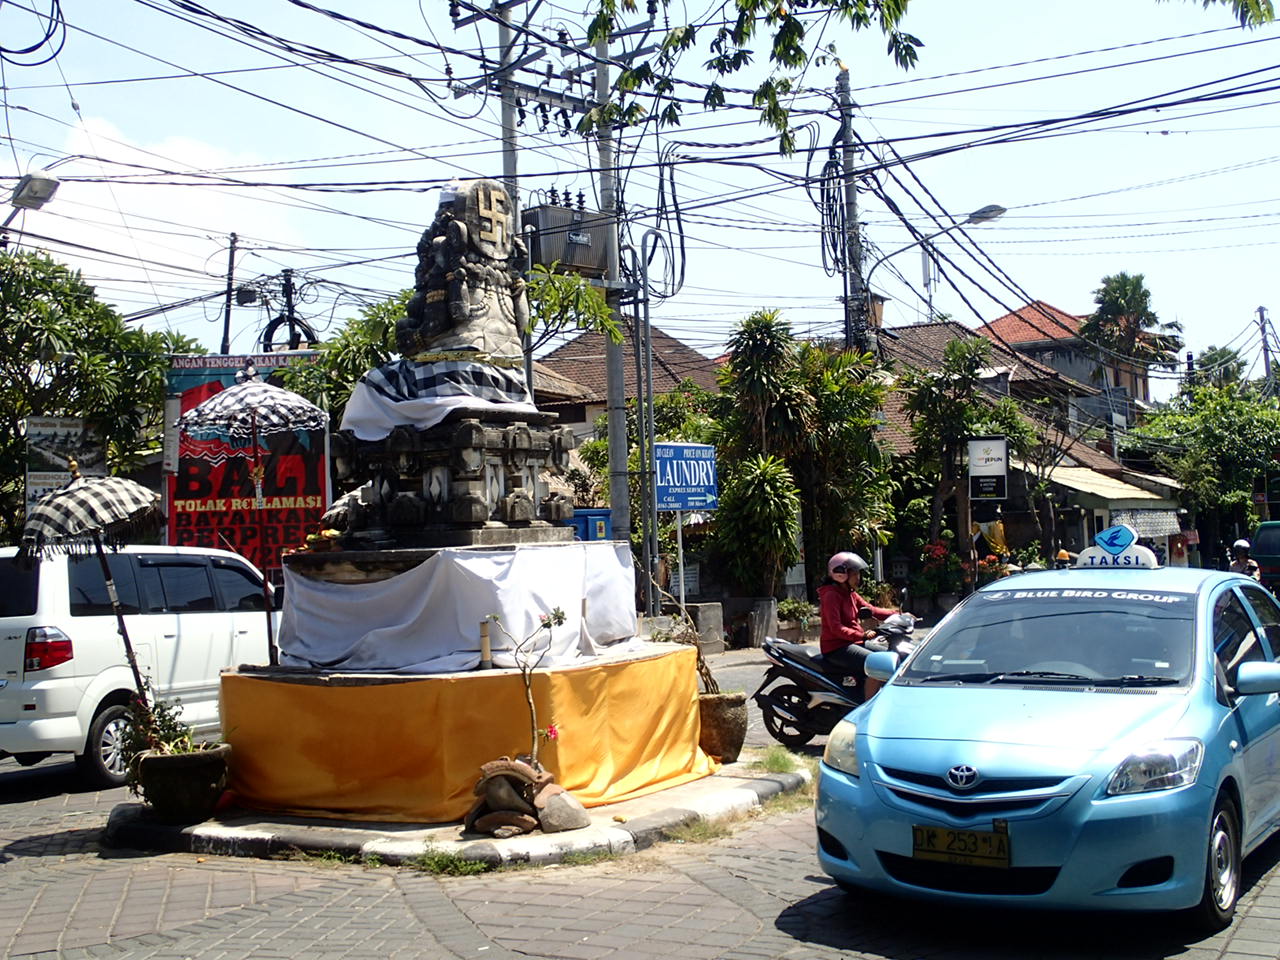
(976, 807)
(985, 785)
(955, 878)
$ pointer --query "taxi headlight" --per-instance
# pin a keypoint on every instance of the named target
(842, 748)
(1158, 766)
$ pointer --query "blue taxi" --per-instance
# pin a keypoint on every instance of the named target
(1105, 737)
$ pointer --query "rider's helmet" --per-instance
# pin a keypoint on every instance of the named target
(1241, 545)
(846, 562)
(1063, 555)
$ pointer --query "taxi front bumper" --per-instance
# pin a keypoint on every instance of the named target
(1140, 852)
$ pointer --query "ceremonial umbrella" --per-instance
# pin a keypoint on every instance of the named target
(245, 413)
(79, 516)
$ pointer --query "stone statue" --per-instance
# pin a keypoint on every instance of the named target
(468, 287)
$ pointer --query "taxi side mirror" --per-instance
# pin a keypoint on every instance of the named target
(1254, 676)
(881, 665)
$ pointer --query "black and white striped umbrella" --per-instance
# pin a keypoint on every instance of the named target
(250, 410)
(110, 509)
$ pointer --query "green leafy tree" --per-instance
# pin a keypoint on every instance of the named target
(65, 353)
(1216, 442)
(948, 405)
(791, 36)
(1217, 367)
(1126, 331)
(756, 524)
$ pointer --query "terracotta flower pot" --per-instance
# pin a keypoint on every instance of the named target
(724, 724)
(183, 787)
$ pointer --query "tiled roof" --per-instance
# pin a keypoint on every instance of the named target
(896, 432)
(922, 345)
(582, 360)
(549, 386)
(1036, 322)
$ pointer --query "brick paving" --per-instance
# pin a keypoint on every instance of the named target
(755, 895)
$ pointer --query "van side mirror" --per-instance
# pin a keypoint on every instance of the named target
(881, 665)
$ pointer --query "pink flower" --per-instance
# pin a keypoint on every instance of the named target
(552, 732)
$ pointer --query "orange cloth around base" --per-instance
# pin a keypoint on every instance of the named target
(410, 748)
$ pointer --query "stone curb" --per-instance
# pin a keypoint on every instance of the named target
(131, 827)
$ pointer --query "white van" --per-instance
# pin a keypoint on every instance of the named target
(64, 679)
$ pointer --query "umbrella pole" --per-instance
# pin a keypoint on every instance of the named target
(124, 631)
(273, 655)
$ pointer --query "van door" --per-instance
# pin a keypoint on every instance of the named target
(190, 654)
(94, 631)
(240, 594)
(18, 593)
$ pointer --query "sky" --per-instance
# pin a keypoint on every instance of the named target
(172, 128)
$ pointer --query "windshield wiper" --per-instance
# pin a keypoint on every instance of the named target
(1040, 675)
(1136, 680)
(956, 677)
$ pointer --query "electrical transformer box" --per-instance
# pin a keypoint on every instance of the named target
(576, 238)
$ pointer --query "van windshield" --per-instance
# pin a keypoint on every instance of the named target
(1267, 540)
(18, 582)
(1111, 637)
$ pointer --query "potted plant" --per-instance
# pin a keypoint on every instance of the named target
(941, 573)
(180, 778)
(794, 617)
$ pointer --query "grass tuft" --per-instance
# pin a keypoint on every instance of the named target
(446, 863)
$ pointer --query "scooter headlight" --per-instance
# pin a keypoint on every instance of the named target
(842, 748)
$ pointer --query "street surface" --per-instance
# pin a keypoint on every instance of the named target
(754, 895)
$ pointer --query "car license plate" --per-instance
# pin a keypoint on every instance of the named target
(971, 848)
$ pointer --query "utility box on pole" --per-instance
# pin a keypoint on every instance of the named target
(578, 239)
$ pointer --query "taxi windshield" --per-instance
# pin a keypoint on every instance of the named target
(1062, 637)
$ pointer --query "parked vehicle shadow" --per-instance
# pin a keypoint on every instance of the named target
(49, 778)
(905, 929)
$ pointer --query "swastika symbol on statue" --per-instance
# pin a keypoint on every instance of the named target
(492, 209)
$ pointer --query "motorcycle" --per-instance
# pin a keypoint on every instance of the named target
(801, 697)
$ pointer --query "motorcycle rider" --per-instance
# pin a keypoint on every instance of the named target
(843, 639)
(1243, 563)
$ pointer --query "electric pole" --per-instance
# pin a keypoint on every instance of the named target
(226, 308)
(855, 298)
(1266, 346)
(615, 369)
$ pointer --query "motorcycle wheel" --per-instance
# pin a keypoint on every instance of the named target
(785, 731)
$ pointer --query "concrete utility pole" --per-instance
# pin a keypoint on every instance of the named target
(1266, 345)
(615, 369)
(226, 307)
(855, 318)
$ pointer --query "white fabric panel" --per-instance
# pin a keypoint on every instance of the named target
(427, 619)
(372, 416)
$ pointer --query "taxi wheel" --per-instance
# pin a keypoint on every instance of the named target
(781, 729)
(1222, 872)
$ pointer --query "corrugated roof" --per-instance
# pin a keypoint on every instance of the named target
(1100, 485)
(582, 361)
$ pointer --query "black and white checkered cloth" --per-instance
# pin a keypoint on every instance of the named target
(412, 380)
(66, 519)
(233, 412)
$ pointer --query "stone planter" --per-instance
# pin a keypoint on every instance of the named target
(183, 787)
(724, 724)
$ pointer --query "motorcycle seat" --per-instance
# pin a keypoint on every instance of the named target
(799, 651)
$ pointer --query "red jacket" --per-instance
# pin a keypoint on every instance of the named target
(840, 607)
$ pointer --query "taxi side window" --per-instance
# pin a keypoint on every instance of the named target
(1234, 639)
(1268, 614)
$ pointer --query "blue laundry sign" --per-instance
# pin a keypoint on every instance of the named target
(686, 476)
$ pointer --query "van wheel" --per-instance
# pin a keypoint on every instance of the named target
(1223, 871)
(103, 762)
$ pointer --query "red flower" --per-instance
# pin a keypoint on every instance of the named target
(552, 732)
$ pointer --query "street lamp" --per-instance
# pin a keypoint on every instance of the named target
(32, 192)
(991, 211)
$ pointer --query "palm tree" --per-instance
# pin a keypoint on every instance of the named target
(1126, 332)
(1217, 367)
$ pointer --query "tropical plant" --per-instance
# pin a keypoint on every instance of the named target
(565, 300)
(755, 536)
(529, 655)
(1126, 333)
(1216, 367)
(796, 609)
(64, 353)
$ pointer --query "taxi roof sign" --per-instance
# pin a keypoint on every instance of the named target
(1118, 547)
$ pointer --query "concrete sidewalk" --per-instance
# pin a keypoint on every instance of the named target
(618, 828)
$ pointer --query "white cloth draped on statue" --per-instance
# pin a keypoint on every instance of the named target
(421, 394)
(427, 619)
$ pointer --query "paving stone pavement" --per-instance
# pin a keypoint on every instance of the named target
(755, 895)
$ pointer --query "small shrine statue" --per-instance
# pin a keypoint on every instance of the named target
(460, 338)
